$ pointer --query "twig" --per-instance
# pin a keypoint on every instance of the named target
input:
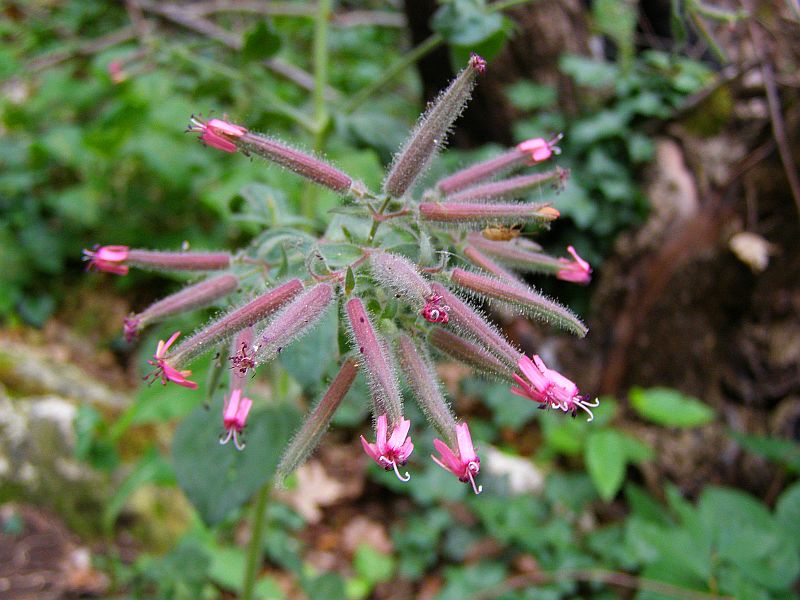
(775, 114)
(94, 46)
(608, 577)
(377, 18)
(138, 21)
(779, 132)
(353, 18)
(234, 41)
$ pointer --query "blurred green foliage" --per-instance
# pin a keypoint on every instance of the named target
(86, 159)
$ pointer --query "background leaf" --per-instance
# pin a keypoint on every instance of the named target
(218, 479)
(665, 406)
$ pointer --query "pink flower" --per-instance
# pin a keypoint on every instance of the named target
(165, 371)
(244, 359)
(540, 149)
(465, 463)
(234, 417)
(434, 311)
(216, 133)
(107, 258)
(478, 63)
(549, 388)
(576, 270)
(391, 452)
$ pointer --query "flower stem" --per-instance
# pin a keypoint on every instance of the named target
(376, 222)
(320, 124)
(255, 548)
(321, 61)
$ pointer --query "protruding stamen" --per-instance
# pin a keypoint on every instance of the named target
(396, 472)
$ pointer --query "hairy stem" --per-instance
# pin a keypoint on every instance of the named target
(255, 547)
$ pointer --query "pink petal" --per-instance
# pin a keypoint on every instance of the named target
(528, 394)
(227, 128)
(244, 411)
(583, 264)
(162, 350)
(370, 449)
(231, 408)
(405, 450)
(109, 267)
(465, 448)
(216, 141)
(112, 253)
(178, 377)
(399, 434)
(448, 460)
(532, 372)
(381, 429)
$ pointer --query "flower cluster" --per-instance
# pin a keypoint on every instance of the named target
(426, 260)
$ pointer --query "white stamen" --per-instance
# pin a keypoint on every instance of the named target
(396, 472)
(477, 489)
(585, 406)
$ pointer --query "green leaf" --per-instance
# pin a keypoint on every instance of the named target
(261, 41)
(588, 71)
(372, 565)
(310, 358)
(329, 586)
(349, 281)
(605, 461)
(617, 19)
(787, 512)
(785, 452)
(150, 468)
(669, 407)
(745, 535)
(599, 126)
(218, 479)
(466, 23)
(527, 95)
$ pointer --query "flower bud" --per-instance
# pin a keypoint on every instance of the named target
(421, 376)
(526, 153)
(520, 296)
(189, 298)
(116, 259)
(430, 133)
(468, 352)
(240, 318)
(377, 362)
(507, 189)
(315, 426)
(230, 138)
(519, 254)
(486, 214)
(303, 164)
(478, 327)
(402, 277)
(479, 259)
(293, 321)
